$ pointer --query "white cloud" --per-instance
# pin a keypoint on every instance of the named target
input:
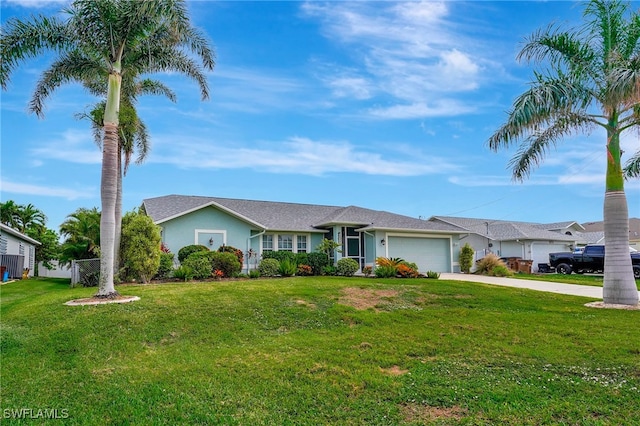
(296, 155)
(49, 191)
(37, 3)
(73, 146)
(408, 51)
(442, 108)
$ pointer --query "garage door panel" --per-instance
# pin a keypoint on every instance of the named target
(430, 254)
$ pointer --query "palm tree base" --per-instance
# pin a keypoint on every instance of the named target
(603, 305)
(110, 295)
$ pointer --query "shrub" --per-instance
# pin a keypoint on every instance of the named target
(367, 271)
(200, 265)
(183, 273)
(318, 261)
(302, 259)
(304, 270)
(185, 251)
(347, 267)
(237, 252)
(268, 267)
(485, 265)
(166, 265)
(385, 271)
(433, 275)
(254, 273)
(226, 262)
(287, 267)
(139, 247)
(466, 258)
(279, 255)
(500, 271)
(329, 270)
(407, 270)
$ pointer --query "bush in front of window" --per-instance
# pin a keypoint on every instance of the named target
(279, 255)
(318, 261)
(287, 268)
(268, 267)
(347, 267)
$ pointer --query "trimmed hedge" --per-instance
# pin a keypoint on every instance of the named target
(186, 251)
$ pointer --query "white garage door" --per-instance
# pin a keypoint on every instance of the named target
(430, 254)
(540, 252)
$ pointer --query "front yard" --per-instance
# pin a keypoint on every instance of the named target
(317, 350)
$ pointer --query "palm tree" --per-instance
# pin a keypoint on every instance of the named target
(592, 80)
(108, 39)
(8, 212)
(81, 230)
(132, 133)
(28, 216)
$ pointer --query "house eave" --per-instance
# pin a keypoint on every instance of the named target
(10, 230)
(218, 206)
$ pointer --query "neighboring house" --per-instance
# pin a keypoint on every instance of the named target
(17, 251)
(634, 231)
(259, 226)
(528, 241)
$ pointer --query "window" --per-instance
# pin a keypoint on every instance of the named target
(285, 242)
(267, 243)
(3, 244)
(302, 243)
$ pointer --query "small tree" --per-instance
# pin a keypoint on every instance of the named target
(140, 246)
(466, 258)
(328, 247)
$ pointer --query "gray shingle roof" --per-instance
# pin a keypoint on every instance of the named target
(281, 216)
(502, 230)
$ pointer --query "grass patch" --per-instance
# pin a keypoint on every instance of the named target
(310, 351)
(592, 280)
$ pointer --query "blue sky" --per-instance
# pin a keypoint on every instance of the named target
(383, 105)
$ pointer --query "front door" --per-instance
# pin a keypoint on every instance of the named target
(353, 246)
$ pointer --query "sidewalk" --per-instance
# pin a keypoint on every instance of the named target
(551, 287)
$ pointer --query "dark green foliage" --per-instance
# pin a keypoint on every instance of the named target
(386, 271)
(466, 258)
(237, 252)
(329, 270)
(139, 247)
(254, 273)
(269, 267)
(279, 255)
(226, 262)
(287, 268)
(166, 265)
(347, 267)
(302, 258)
(200, 264)
(317, 261)
(186, 251)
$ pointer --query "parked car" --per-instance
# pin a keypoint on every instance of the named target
(590, 260)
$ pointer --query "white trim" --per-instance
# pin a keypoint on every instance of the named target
(211, 231)
(294, 243)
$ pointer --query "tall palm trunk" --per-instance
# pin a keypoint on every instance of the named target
(619, 285)
(109, 185)
(118, 216)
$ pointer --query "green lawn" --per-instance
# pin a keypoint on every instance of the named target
(592, 280)
(294, 352)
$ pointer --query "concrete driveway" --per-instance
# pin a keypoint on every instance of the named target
(551, 287)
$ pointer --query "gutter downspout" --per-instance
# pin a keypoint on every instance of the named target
(249, 246)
